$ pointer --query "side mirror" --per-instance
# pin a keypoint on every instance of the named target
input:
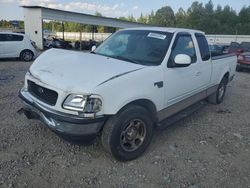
(182, 60)
(93, 48)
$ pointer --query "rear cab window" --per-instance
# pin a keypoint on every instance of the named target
(203, 46)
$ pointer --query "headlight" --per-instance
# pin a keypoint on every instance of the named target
(93, 105)
(75, 102)
(82, 103)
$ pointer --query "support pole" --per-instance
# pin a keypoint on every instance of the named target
(93, 32)
(63, 30)
(81, 37)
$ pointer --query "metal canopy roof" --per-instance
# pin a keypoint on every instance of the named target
(68, 16)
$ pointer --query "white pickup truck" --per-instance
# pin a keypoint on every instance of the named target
(126, 87)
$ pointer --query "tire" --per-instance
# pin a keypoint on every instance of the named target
(218, 96)
(26, 55)
(238, 69)
(128, 134)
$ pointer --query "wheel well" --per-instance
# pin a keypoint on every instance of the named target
(148, 105)
(24, 51)
(226, 76)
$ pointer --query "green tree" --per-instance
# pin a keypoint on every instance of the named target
(228, 20)
(195, 15)
(123, 18)
(181, 18)
(209, 23)
(100, 29)
(151, 18)
(142, 19)
(164, 17)
(244, 21)
(131, 18)
(209, 7)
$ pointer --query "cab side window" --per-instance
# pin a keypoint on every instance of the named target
(183, 45)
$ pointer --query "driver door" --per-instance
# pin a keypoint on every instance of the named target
(182, 82)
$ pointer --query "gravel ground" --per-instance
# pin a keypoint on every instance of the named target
(210, 148)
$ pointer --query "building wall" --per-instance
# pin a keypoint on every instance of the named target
(33, 26)
(227, 39)
(85, 36)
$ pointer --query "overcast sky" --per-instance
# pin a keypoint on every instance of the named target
(11, 10)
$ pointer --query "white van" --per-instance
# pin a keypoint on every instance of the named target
(16, 45)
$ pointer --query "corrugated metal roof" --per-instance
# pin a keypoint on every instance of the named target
(62, 15)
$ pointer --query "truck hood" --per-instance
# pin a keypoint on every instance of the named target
(77, 71)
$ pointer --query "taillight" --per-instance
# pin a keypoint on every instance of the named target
(240, 57)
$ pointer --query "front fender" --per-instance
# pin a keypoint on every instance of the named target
(137, 85)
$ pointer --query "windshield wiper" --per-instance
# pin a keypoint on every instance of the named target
(127, 59)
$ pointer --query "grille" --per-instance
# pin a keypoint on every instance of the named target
(45, 95)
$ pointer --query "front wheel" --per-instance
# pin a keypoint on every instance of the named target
(127, 135)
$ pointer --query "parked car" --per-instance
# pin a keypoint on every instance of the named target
(237, 48)
(245, 46)
(217, 50)
(225, 49)
(60, 43)
(243, 61)
(13, 45)
(86, 45)
(48, 34)
(47, 43)
(56, 43)
(135, 81)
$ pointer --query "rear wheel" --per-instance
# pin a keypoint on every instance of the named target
(218, 96)
(26, 55)
(127, 135)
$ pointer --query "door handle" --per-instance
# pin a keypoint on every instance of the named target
(159, 84)
(198, 73)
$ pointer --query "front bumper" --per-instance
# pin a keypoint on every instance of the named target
(60, 122)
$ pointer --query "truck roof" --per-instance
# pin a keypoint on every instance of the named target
(166, 29)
